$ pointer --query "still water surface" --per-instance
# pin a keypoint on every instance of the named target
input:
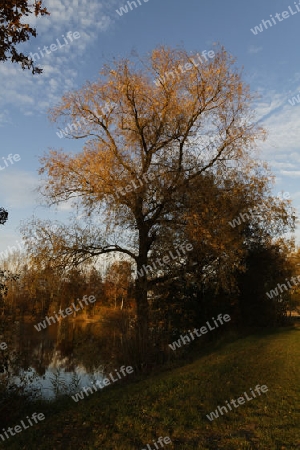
(69, 354)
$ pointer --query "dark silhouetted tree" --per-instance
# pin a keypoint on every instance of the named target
(3, 216)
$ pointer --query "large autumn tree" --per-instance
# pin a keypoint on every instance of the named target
(13, 30)
(227, 220)
(146, 147)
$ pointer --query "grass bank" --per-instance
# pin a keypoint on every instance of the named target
(175, 403)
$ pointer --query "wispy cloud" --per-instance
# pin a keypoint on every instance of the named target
(36, 93)
(281, 120)
(4, 117)
(18, 188)
(283, 165)
(291, 173)
(254, 49)
(68, 14)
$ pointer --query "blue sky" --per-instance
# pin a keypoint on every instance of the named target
(270, 60)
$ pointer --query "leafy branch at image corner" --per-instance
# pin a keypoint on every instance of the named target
(13, 30)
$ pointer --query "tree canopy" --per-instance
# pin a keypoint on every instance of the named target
(163, 164)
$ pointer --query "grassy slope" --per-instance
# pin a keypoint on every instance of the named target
(175, 404)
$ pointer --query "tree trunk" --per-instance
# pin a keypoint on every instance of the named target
(141, 298)
(142, 320)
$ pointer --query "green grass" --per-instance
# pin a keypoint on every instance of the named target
(175, 403)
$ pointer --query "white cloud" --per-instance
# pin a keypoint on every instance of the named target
(17, 188)
(253, 49)
(4, 117)
(10, 241)
(291, 173)
(283, 165)
(282, 122)
(35, 93)
(296, 195)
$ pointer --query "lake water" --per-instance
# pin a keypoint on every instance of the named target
(68, 354)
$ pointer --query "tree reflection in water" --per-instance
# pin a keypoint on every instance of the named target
(59, 359)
